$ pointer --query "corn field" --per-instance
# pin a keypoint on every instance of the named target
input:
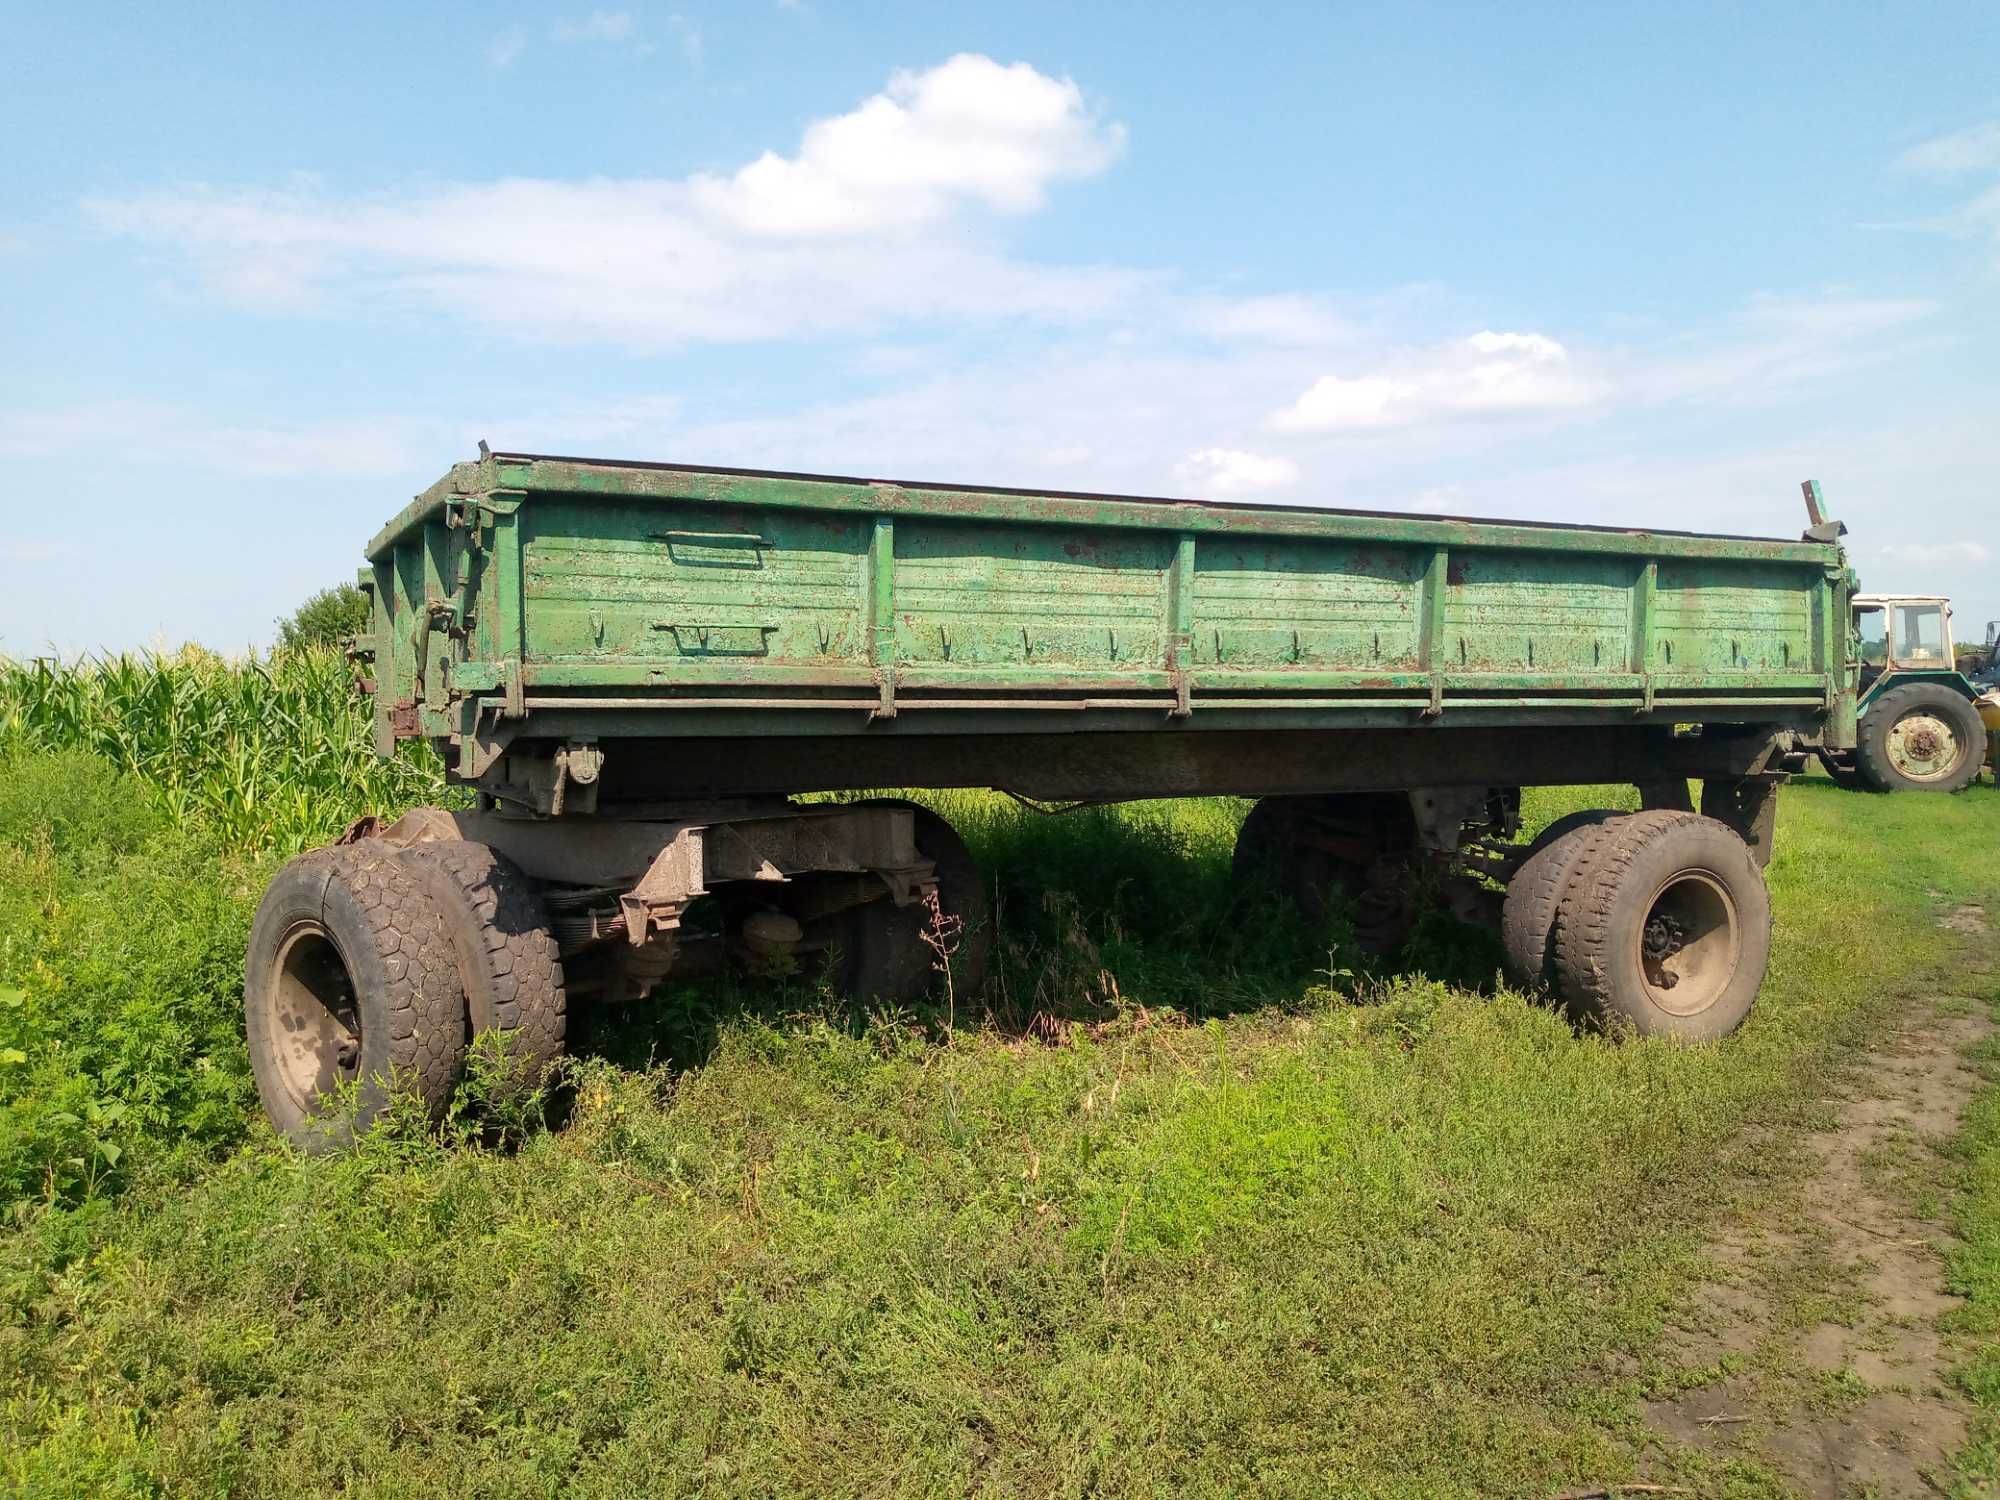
(268, 754)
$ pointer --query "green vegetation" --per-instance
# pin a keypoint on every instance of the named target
(1203, 1206)
(263, 755)
(326, 619)
(1975, 1265)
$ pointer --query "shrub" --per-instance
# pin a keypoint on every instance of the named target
(121, 968)
(326, 619)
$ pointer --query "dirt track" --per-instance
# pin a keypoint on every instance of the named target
(1825, 1315)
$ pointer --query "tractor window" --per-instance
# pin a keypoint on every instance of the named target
(1920, 634)
(1874, 627)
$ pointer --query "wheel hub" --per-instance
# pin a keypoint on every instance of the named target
(317, 1022)
(1664, 938)
(1922, 747)
(1690, 944)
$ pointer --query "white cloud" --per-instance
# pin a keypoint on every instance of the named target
(35, 549)
(1933, 554)
(361, 449)
(506, 47)
(1487, 374)
(1974, 149)
(861, 228)
(598, 26)
(1281, 318)
(969, 130)
(1228, 473)
(1774, 346)
(1440, 500)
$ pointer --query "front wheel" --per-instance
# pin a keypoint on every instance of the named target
(1922, 737)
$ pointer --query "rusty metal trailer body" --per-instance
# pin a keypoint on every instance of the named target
(721, 633)
(636, 667)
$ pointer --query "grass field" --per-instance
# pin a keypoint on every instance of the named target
(1203, 1205)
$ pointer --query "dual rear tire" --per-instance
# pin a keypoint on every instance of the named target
(372, 970)
(1657, 922)
(369, 972)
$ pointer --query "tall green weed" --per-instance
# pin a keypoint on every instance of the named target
(270, 753)
(121, 971)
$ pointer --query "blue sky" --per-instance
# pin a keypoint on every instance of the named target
(269, 271)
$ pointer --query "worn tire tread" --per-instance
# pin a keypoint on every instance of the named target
(510, 965)
(1589, 905)
(1528, 913)
(417, 1015)
(426, 1003)
(1871, 753)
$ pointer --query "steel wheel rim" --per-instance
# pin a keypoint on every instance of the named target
(1690, 945)
(315, 1021)
(1922, 747)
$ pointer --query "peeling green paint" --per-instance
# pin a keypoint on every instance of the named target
(517, 580)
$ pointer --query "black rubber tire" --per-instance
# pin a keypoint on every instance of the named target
(1843, 774)
(1871, 753)
(1630, 871)
(1534, 895)
(1314, 880)
(350, 929)
(508, 961)
(885, 958)
(1304, 876)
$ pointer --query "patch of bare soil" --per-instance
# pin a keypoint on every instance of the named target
(1816, 1351)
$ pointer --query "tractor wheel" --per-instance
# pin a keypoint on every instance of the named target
(1921, 737)
(886, 956)
(506, 950)
(350, 981)
(1528, 916)
(1665, 927)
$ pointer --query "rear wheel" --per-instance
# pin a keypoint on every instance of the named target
(507, 957)
(1528, 916)
(886, 955)
(1665, 926)
(1922, 737)
(1347, 851)
(349, 982)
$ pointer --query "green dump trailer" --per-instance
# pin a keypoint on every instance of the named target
(634, 668)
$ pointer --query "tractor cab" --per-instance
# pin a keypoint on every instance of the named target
(1903, 633)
